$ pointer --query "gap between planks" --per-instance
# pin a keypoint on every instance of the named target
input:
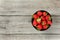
(29, 15)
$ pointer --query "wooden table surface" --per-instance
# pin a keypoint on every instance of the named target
(15, 19)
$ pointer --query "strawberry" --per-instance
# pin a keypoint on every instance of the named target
(44, 23)
(39, 27)
(49, 22)
(35, 16)
(43, 18)
(48, 17)
(44, 13)
(39, 13)
(34, 23)
(45, 26)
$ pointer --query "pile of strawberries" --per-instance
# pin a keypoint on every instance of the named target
(41, 20)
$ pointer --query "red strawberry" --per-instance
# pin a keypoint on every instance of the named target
(35, 16)
(43, 18)
(48, 17)
(39, 27)
(45, 26)
(44, 23)
(34, 23)
(49, 22)
(44, 13)
(39, 13)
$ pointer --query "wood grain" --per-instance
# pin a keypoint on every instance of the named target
(29, 37)
(22, 25)
(15, 19)
(28, 7)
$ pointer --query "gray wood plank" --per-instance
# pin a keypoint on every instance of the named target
(28, 7)
(22, 25)
(29, 37)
